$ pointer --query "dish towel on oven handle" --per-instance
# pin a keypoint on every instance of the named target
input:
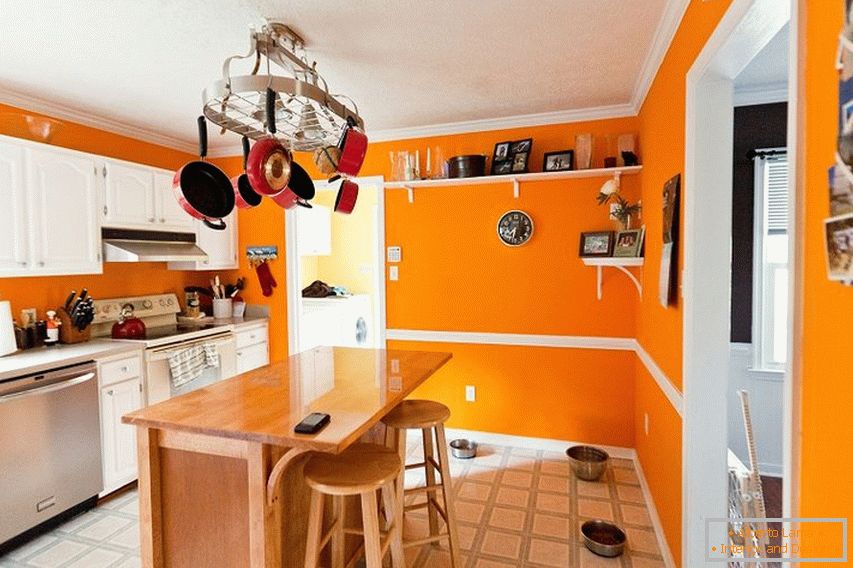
(186, 365)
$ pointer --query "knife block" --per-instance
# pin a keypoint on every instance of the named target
(67, 332)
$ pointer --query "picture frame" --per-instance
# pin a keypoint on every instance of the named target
(838, 239)
(521, 146)
(502, 167)
(596, 244)
(501, 151)
(629, 243)
(561, 161)
(519, 162)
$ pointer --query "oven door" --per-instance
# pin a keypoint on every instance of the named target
(158, 383)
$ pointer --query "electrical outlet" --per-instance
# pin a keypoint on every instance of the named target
(646, 422)
(470, 393)
(393, 273)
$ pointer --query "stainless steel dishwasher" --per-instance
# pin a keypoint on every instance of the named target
(50, 446)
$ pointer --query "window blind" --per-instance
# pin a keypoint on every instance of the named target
(776, 194)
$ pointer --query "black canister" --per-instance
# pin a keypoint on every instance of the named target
(471, 165)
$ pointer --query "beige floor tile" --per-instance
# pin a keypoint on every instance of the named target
(593, 489)
(521, 463)
(593, 509)
(128, 538)
(469, 512)
(553, 483)
(642, 562)
(487, 563)
(53, 556)
(553, 503)
(548, 553)
(513, 497)
(635, 515)
(621, 462)
(642, 540)
(501, 544)
(517, 479)
(467, 534)
(474, 491)
(133, 562)
(103, 528)
(481, 474)
(438, 558)
(590, 560)
(97, 558)
(526, 452)
(510, 519)
(623, 475)
(549, 525)
(630, 493)
(79, 521)
(555, 468)
(32, 547)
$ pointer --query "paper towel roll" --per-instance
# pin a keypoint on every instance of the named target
(7, 330)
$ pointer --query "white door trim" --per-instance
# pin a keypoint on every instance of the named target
(292, 264)
(743, 32)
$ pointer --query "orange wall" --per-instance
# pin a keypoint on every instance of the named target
(825, 379)
(659, 329)
(47, 292)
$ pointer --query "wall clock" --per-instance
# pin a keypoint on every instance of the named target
(515, 228)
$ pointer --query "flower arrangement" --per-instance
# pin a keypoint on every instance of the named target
(623, 210)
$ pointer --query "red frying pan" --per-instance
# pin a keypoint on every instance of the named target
(347, 196)
(245, 196)
(268, 165)
(353, 147)
(298, 191)
(202, 189)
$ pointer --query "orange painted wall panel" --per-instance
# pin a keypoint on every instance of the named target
(565, 394)
(48, 292)
(826, 390)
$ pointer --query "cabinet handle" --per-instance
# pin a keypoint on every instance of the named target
(162, 219)
(110, 392)
(105, 210)
(151, 219)
(124, 369)
(41, 263)
(104, 170)
(22, 262)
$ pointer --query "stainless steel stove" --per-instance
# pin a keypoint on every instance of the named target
(164, 336)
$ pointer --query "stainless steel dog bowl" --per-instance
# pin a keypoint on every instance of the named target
(587, 462)
(463, 449)
(603, 538)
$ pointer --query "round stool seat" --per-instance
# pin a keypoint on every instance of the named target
(412, 414)
(358, 469)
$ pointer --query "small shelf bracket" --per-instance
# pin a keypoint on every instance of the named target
(599, 270)
(516, 188)
(411, 193)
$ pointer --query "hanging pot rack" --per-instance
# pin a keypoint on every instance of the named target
(307, 115)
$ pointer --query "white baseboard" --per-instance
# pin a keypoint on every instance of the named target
(548, 445)
(665, 551)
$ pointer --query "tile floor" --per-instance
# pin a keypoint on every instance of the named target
(515, 507)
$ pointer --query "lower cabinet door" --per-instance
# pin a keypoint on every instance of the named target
(119, 440)
(252, 357)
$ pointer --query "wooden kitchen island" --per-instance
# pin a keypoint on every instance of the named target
(220, 468)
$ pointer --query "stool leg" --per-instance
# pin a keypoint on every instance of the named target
(429, 452)
(370, 519)
(315, 530)
(395, 530)
(446, 489)
(400, 493)
(338, 534)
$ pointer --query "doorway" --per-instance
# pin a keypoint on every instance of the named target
(745, 31)
(336, 270)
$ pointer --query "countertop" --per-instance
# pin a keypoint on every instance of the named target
(357, 387)
(44, 358)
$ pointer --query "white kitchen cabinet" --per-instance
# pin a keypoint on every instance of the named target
(14, 248)
(140, 197)
(252, 348)
(121, 392)
(62, 191)
(220, 246)
(314, 231)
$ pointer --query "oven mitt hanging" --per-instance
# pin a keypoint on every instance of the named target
(265, 278)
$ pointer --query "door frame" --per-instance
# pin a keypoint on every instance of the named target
(744, 30)
(291, 263)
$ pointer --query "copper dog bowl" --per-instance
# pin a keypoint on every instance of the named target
(603, 538)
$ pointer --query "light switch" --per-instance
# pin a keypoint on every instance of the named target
(395, 254)
(393, 273)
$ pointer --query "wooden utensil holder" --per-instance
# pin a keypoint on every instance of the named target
(68, 333)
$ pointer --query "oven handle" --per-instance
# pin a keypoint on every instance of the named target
(49, 388)
(162, 353)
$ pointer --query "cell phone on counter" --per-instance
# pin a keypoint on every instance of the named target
(313, 423)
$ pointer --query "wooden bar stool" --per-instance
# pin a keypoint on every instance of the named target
(362, 470)
(428, 417)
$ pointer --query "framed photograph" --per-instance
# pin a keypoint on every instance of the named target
(501, 151)
(840, 191)
(521, 146)
(502, 167)
(559, 161)
(519, 162)
(599, 243)
(629, 244)
(839, 247)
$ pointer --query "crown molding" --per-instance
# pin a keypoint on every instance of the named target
(761, 94)
(673, 13)
(64, 112)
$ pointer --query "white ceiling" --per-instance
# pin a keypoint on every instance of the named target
(407, 63)
(769, 69)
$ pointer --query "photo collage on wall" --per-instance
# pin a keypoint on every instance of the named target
(838, 228)
(668, 283)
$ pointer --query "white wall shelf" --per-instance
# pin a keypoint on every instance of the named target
(514, 179)
(618, 263)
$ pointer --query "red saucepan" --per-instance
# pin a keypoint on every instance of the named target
(202, 189)
(347, 196)
(268, 166)
(298, 191)
(245, 196)
(353, 146)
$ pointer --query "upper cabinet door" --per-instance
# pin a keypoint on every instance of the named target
(220, 246)
(62, 212)
(13, 234)
(129, 198)
(314, 231)
(170, 215)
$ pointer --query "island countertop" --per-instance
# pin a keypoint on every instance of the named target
(356, 387)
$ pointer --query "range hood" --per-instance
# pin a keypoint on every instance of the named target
(128, 245)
